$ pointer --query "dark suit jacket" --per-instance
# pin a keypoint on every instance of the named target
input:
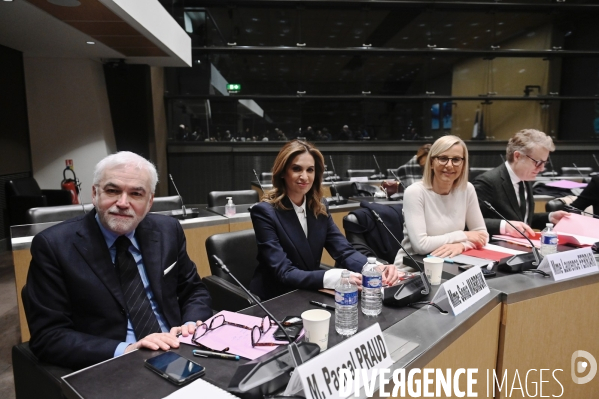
(495, 186)
(287, 258)
(589, 196)
(74, 304)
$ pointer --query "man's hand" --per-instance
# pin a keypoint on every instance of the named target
(186, 329)
(164, 341)
(478, 238)
(448, 250)
(556, 216)
(523, 227)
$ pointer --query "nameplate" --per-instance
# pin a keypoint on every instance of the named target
(568, 264)
(465, 289)
(363, 354)
(359, 178)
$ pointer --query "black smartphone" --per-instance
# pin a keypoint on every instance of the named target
(175, 368)
(293, 325)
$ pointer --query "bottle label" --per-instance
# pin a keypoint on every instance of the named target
(346, 298)
(372, 282)
(548, 240)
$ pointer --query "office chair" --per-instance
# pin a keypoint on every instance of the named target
(219, 198)
(360, 172)
(266, 178)
(368, 236)
(555, 205)
(346, 189)
(238, 251)
(572, 171)
(23, 194)
(33, 378)
(168, 203)
(474, 172)
(59, 213)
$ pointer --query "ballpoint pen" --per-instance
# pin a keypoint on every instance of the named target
(202, 353)
(322, 305)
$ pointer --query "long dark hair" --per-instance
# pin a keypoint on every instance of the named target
(278, 192)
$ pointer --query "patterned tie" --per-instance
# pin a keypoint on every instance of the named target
(140, 311)
(522, 200)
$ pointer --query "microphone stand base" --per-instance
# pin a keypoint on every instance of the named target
(269, 373)
(518, 263)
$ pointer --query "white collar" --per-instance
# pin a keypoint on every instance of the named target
(301, 208)
(513, 177)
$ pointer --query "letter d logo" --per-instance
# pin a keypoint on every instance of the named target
(581, 367)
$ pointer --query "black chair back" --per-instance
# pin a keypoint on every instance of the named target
(346, 189)
(238, 251)
(266, 177)
(360, 172)
(474, 172)
(219, 198)
(169, 203)
(59, 213)
(368, 236)
(26, 186)
(572, 171)
(555, 205)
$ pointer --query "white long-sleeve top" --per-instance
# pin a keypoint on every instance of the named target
(432, 220)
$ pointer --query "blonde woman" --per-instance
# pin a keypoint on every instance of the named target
(441, 212)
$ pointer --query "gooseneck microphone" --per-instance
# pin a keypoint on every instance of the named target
(335, 177)
(181, 198)
(407, 293)
(502, 158)
(380, 175)
(595, 158)
(260, 184)
(571, 208)
(522, 262)
(292, 346)
(578, 170)
(398, 180)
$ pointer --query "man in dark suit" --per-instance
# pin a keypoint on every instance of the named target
(114, 280)
(508, 187)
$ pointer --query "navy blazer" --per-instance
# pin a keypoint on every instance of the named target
(495, 186)
(74, 304)
(287, 258)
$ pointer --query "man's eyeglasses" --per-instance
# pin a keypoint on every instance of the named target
(537, 163)
(456, 161)
(219, 321)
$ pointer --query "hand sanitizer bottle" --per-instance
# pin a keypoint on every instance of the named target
(230, 207)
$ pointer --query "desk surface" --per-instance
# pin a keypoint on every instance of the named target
(126, 376)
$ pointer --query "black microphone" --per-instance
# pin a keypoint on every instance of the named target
(595, 158)
(552, 172)
(380, 175)
(522, 262)
(597, 162)
(412, 290)
(398, 180)
(571, 208)
(337, 199)
(502, 158)
(184, 215)
(292, 346)
(260, 184)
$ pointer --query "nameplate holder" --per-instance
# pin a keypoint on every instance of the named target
(569, 264)
(363, 353)
(462, 291)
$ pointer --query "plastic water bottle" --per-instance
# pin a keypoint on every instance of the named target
(372, 282)
(230, 207)
(548, 240)
(346, 305)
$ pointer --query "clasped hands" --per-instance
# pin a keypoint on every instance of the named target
(164, 341)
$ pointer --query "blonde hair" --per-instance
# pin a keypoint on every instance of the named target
(440, 146)
(525, 141)
(278, 192)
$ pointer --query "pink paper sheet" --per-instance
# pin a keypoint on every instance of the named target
(579, 225)
(567, 184)
(238, 340)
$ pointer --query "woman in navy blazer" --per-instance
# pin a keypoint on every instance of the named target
(293, 225)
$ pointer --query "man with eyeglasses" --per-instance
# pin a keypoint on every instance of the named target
(114, 280)
(508, 187)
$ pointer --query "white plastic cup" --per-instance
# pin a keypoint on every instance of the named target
(433, 267)
(316, 326)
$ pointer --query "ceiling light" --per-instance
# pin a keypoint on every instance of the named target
(65, 3)
(90, 42)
